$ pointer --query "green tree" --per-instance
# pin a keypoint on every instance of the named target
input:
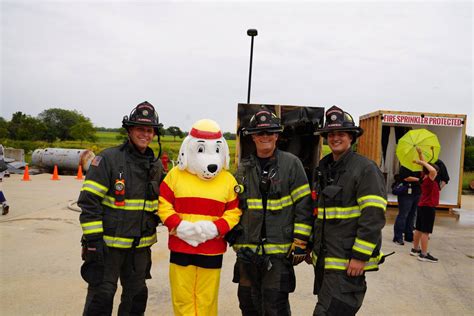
(123, 135)
(469, 141)
(229, 136)
(83, 131)
(3, 128)
(60, 121)
(469, 158)
(175, 131)
(25, 127)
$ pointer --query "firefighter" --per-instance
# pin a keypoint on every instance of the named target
(119, 201)
(275, 199)
(351, 214)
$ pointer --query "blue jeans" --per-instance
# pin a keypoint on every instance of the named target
(404, 224)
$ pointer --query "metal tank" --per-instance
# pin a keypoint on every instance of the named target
(65, 159)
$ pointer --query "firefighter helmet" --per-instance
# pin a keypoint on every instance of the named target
(143, 114)
(263, 120)
(339, 120)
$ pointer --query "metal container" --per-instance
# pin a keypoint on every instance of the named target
(65, 159)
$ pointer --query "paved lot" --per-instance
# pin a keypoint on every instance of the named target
(40, 262)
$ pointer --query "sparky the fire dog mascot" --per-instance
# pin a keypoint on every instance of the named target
(199, 206)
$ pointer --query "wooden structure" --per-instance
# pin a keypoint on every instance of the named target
(300, 123)
(383, 128)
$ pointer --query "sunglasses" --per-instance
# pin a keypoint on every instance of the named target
(262, 133)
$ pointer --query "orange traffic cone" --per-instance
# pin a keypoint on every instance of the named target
(55, 173)
(79, 173)
(26, 175)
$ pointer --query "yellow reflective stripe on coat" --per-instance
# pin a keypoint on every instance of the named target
(132, 204)
(119, 242)
(279, 204)
(363, 246)
(372, 200)
(300, 192)
(302, 229)
(92, 227)
(270, 249)
(339, 212)
(94, 187)
(331, 263)
(272, 204)
(254, 204)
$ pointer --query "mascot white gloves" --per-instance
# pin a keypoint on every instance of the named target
(196, 233)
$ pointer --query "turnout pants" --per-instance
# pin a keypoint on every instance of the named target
(194, 290)
(264, 291)
(340, 294)
(133, 267)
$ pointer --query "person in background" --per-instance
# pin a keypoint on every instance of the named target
(351, 204)
(443, 176)
(426, 210)
(119, 201)
(407, 206)
(3, 170)
(275, 226)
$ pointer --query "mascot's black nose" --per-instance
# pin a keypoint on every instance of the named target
(212, 168)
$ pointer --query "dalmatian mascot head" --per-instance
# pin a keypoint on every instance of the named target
(204, 152)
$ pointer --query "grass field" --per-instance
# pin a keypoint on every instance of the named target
(467, 178)
(169, 144)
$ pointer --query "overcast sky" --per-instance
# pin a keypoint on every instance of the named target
(191, 59)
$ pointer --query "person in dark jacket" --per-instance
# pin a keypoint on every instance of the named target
(275, 199)
(119, 201)
(407, 205)
(351, 203)
(443, 176)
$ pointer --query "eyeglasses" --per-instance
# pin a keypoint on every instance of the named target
(262, 133)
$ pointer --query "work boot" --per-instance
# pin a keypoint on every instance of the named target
(5, 208)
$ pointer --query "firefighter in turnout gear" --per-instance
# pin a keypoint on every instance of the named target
(275, 199)
(351, 214)
(119, 201)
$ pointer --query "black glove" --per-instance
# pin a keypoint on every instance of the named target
(297, 251)
(92, 270)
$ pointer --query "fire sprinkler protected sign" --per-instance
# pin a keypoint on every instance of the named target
(422, 120)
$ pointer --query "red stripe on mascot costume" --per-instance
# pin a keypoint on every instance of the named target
(199, 206)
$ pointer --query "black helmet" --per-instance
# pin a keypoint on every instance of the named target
(263, 120)
(143, 114)
(338, 120)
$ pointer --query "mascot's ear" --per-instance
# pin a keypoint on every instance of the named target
(183, 154)
(226, 155)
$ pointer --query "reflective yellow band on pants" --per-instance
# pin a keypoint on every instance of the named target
(119, 242)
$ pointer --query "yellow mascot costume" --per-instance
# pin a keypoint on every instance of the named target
(199, 206)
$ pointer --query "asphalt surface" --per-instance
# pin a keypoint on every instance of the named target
(40, 262)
